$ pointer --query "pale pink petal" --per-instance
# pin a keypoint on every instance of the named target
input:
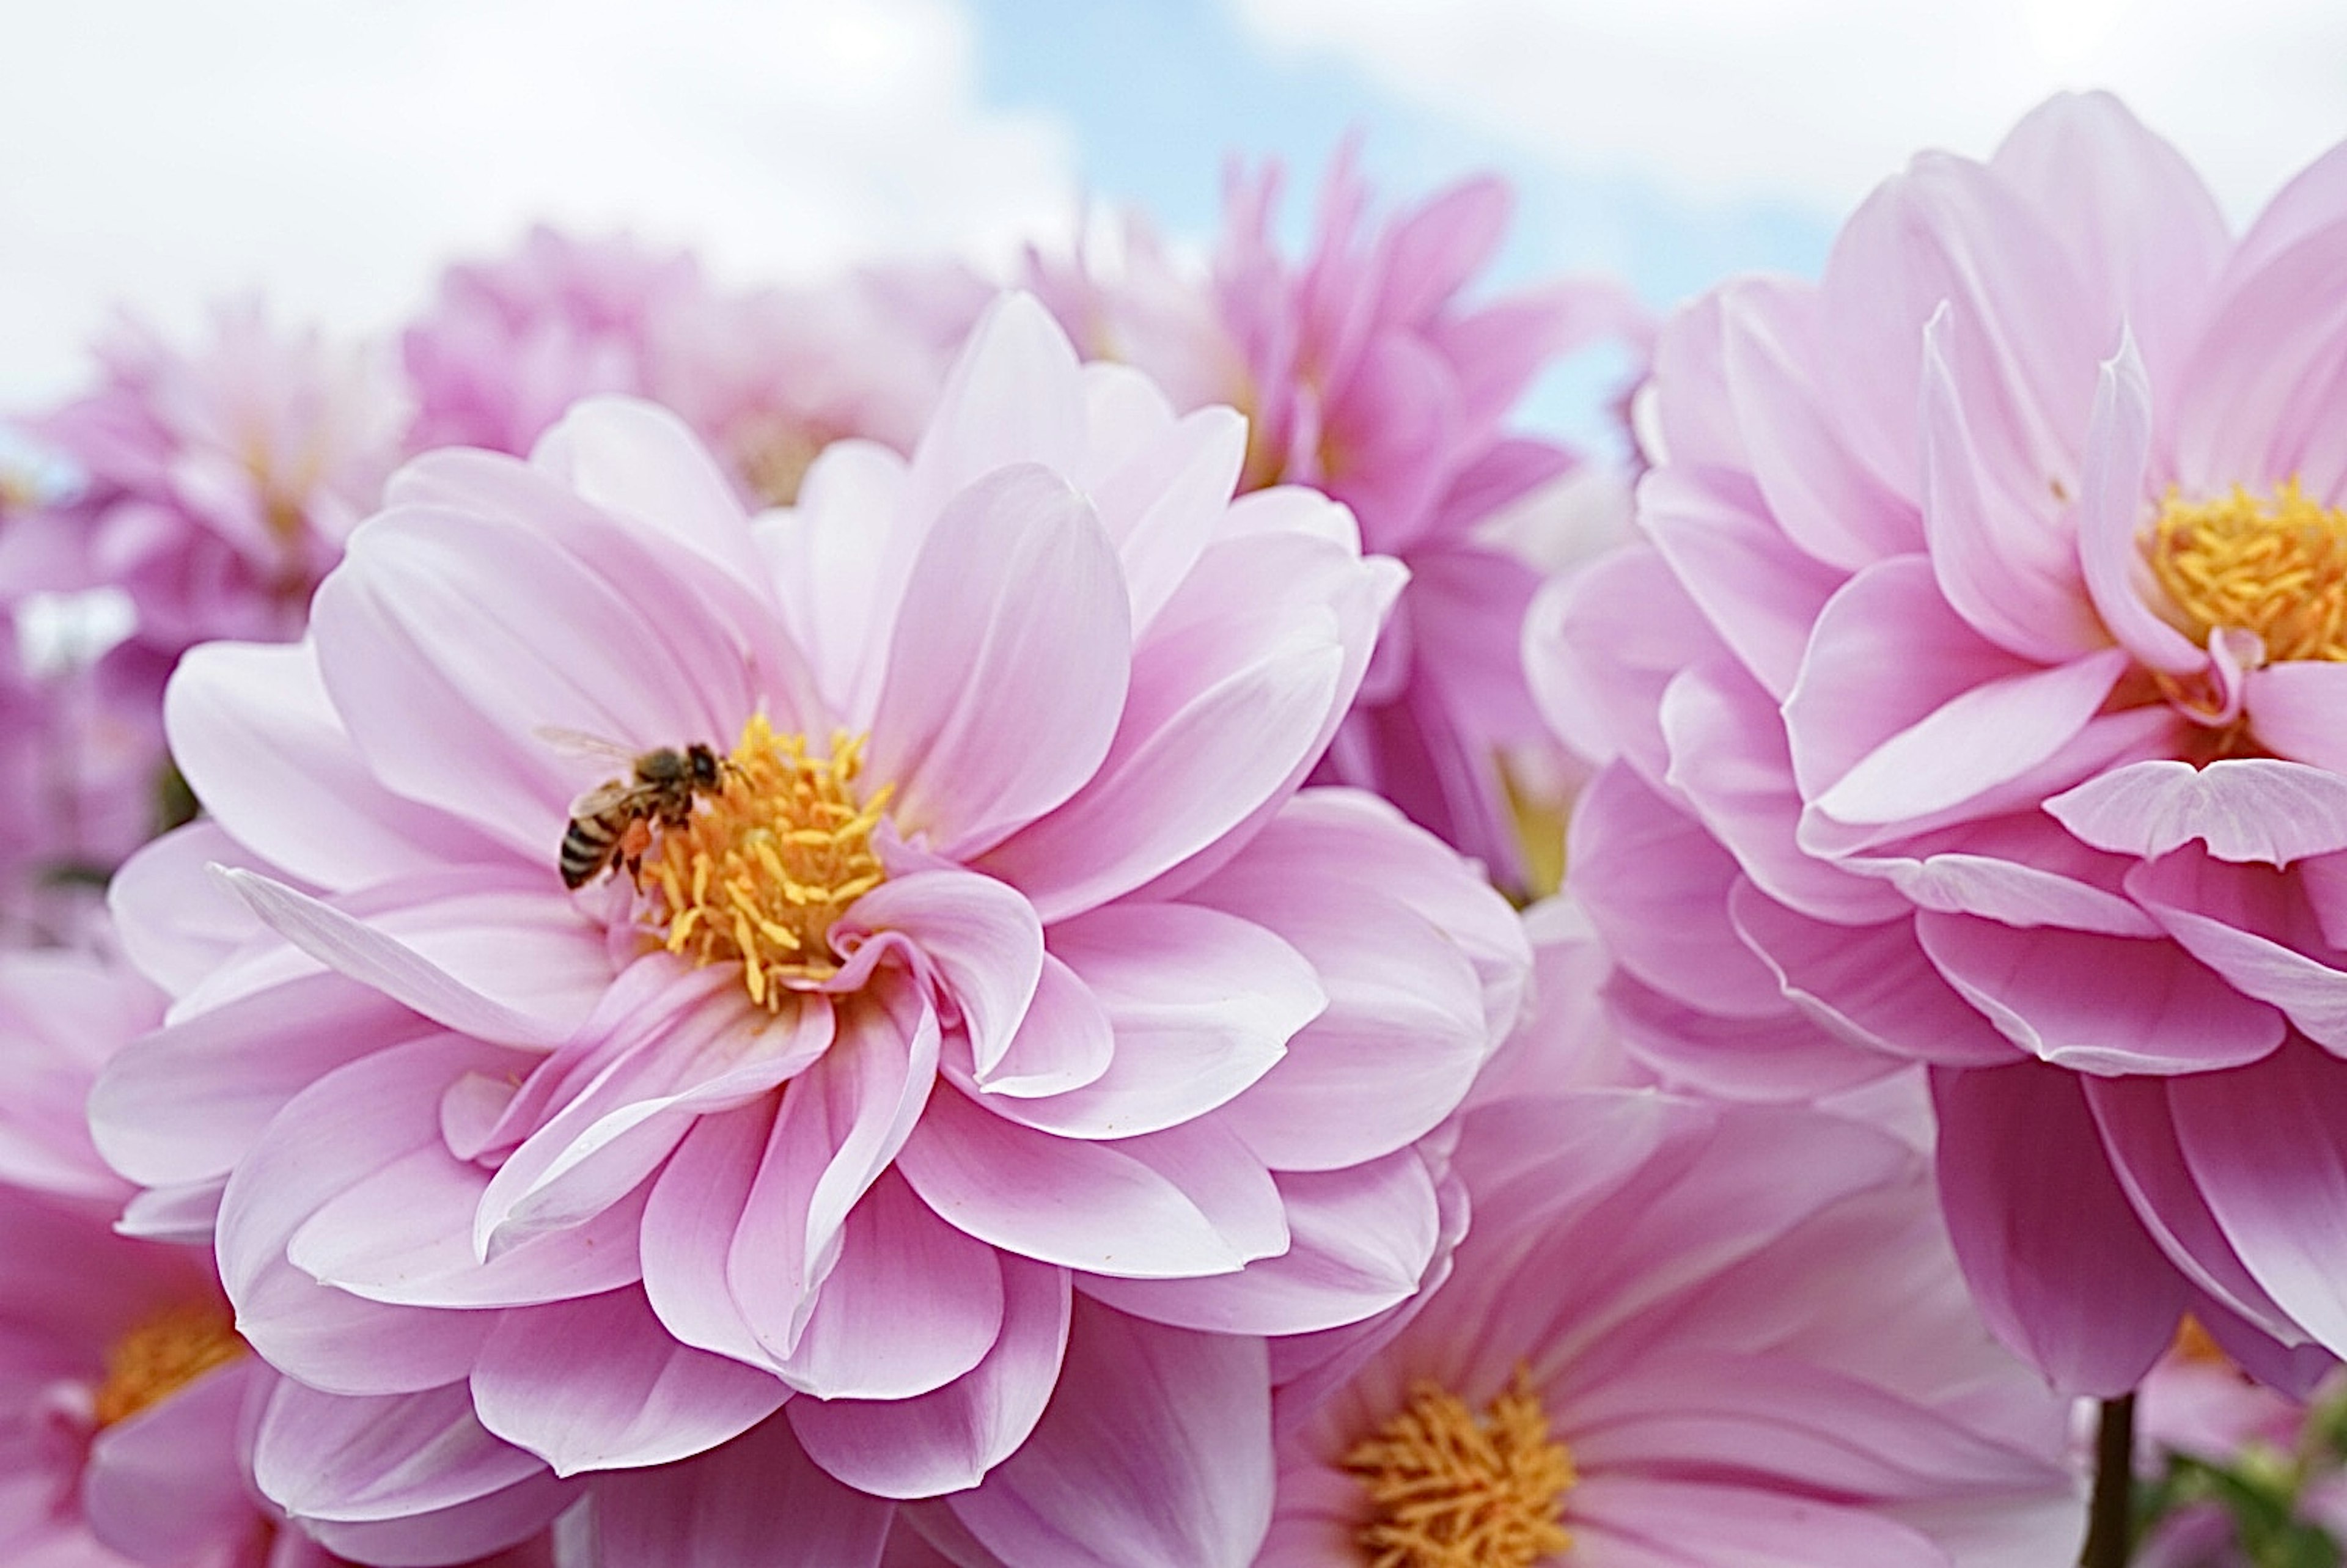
(2295, 710)
(1161, 507)
(252, 729)
(1202, 1005)
(2096, 1003)
(991, 715)
(1064, 1041)
(1015, 395)
(448, 696)
(982, 938)
(175, 921)
(334, 1457)
(332, 1134)
(756, 1503)
(2110, 511)
(1872, 986)
(949, 1439)
(1360, 1241)
(1729, 761)
(911, 1304)
(1760, 593)
(1979, 739)
(1787, 1056)
(2060, 1266)
(597, 1383)
(2138, 222)
(841, 1123)
(2247, 406)
(1156, 1449)
(2014, 578)
(1599, 646)
(690, 1222)
(2265, 1150)
(1190, 1200)
(1242, 677)
(2242, 808)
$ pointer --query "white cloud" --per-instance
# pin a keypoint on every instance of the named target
(166, 153)
(1813, 101)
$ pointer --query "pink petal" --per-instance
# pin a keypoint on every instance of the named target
(2058, 1264)
(2248, 405)
(352, 1123)
(838, 577)
(722, 1509)
(2265, 1150)
(1760, 594)
(1655, 887)
(1644, 1521)
(981, 936)
(448, 695)
(1014, 395)
(1190, 1200)
(1729, 761)
(2110, 511)
(1360, 1241)
(176, 921)
(1979, 739)
(1869, 985)
(2242, 808)
(2295, 710)
(1240, 682)
(690, 1222)
(840, 1125)
(2137, 222)
(1202, 1005)
(1787, 1056)
(2138, 1132)
(911, 1304)
(1163, 507)
(262, 747)
(184, 1103)
(2096, 1003)
(334, 1457)
(1064, 1041)
(597, 1383)
(1156, 1449)
(949, 1439)
(166, 1479)
(367, 955)
(1600, 646)
(2251, 927)
(991, 715)
(2002, 568)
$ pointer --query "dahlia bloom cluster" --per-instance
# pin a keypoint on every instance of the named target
(1971, 705)
(869, 924)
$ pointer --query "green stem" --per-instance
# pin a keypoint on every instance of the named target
(2110, 1517)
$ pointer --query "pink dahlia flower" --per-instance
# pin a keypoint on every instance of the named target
(1974, 704)
(125, 1392)
(1681, 1332)
(767, 379)
(1366, 373)
(986, 959)
(219, 483)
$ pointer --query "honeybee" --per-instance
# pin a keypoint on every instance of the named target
(611, 825)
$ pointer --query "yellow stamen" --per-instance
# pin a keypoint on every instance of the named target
(2193, 1343)
(771, 859)
(773, 456)
(1449, 1489)
(2277, 567)
(163, 1354)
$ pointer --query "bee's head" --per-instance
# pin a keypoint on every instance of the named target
(702, 762)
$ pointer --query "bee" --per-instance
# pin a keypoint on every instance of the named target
(611, 825)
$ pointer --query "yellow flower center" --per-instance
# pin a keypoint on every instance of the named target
(1449, 1489)
(759, 874)
(2276, 566)
(164, 1354)
(773, 456)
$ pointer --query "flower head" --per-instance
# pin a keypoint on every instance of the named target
(1976, 701)
(1366, 372)
(953, 942)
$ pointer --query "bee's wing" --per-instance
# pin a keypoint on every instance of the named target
(579, 743)
(606, 796)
